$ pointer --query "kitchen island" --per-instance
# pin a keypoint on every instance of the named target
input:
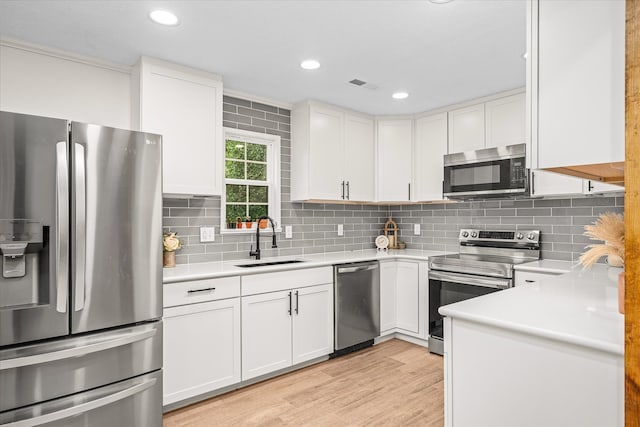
(549, 353)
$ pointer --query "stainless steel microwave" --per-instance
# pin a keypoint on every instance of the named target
(491, 172)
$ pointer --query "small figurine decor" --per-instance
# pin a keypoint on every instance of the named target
(170, 244)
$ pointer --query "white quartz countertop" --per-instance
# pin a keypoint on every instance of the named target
(580, 307)
(548, 266)
(207, 270)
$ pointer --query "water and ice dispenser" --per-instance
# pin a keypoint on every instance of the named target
(21, 242)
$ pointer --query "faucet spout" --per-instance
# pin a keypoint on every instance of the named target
(256, 253)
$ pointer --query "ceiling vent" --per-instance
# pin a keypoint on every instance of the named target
(361, 83)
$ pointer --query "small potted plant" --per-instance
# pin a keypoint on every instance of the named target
(238, 222)
(248, 222)
(170, 244)
(263, 223)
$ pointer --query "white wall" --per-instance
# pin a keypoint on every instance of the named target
(44, 83)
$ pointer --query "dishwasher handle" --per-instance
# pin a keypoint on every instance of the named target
(357, 268)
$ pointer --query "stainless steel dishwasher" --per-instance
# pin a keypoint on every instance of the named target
(357, 305)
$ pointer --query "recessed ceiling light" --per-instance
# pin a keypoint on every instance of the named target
(400, 95)
(310, 64)
(440, 1)
(164, 17)
(524, 55)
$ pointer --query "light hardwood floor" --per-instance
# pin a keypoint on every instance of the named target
(392, 384)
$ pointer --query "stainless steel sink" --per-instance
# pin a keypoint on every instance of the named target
(264, 264)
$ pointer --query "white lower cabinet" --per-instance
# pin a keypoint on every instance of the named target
(201, 348)
(284, 328)
(403, 298)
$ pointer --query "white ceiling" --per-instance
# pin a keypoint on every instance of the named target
(440, 54)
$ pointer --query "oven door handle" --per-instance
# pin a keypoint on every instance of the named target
(465, 279)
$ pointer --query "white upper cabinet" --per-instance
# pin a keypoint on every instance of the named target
(332, 153)
(394, 159)
(429, 148)
(581, 60)
(545, 183)
(359, 158)
(466, 129)
(597, 187)
(185, 107)
(505, 121)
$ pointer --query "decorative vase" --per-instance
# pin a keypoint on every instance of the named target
(621, 292)
(168, 259)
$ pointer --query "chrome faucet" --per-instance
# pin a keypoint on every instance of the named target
(256, 253)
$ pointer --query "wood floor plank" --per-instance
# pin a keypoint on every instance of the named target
(394, 383)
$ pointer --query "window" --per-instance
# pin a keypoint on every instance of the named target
(251, 179)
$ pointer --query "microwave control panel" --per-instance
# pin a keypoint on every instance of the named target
(518, 171)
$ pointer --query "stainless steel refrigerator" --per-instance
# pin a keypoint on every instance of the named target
(81, 274)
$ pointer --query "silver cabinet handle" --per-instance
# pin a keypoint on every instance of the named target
(348, 192)
(342, 190)
(289, 304)
(36, 359)
(529, 281)
(533, 183)
(80, 226)
(62, 227)
(409, 198)
(84, 407)
(297, 301)
(485, 282)
(193, 291)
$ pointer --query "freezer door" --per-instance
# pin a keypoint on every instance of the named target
(38, 372)
(34, 210)
(134, 402)
(116, 227)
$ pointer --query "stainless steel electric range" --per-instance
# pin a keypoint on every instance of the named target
(483, 265)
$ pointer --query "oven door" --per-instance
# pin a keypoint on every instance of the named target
(446, 288)
(486, 178)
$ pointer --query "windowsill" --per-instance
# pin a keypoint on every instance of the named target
(249, 231)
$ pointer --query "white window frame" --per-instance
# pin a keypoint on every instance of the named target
(273, 178)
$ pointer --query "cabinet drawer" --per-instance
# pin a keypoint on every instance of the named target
(279, 281)
(194, 291)
(524, 277)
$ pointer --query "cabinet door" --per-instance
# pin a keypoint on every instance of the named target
(266, 333)
(545, 183)
(312, 322)
(525, 277)
(581, 82)
(429, 147)
(394, 160)
(359, 158)
(408, 296)
(466, 129)
(388, 296)
(201, 348)
(326, 154)
(187, 111)
(597, 187)
(505, 121)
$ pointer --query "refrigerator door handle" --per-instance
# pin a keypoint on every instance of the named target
(62, 225)
(36, 359)
(85, 407)
(80, 226)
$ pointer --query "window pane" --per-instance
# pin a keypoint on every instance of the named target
(235, 211)
(258, 194)
(234, 149)
(257, 152)
(257, 171)
(256, 211)
(234, 170)
(236, 193)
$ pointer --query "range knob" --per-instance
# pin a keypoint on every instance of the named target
(531, 236)
(474, 234)
(465, 234)
(519, 236)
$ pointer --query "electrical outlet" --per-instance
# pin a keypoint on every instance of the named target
(288, 232)
(340, 230)
(416, 229)
(207, 234)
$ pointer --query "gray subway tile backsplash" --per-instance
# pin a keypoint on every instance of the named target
(561, 221)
